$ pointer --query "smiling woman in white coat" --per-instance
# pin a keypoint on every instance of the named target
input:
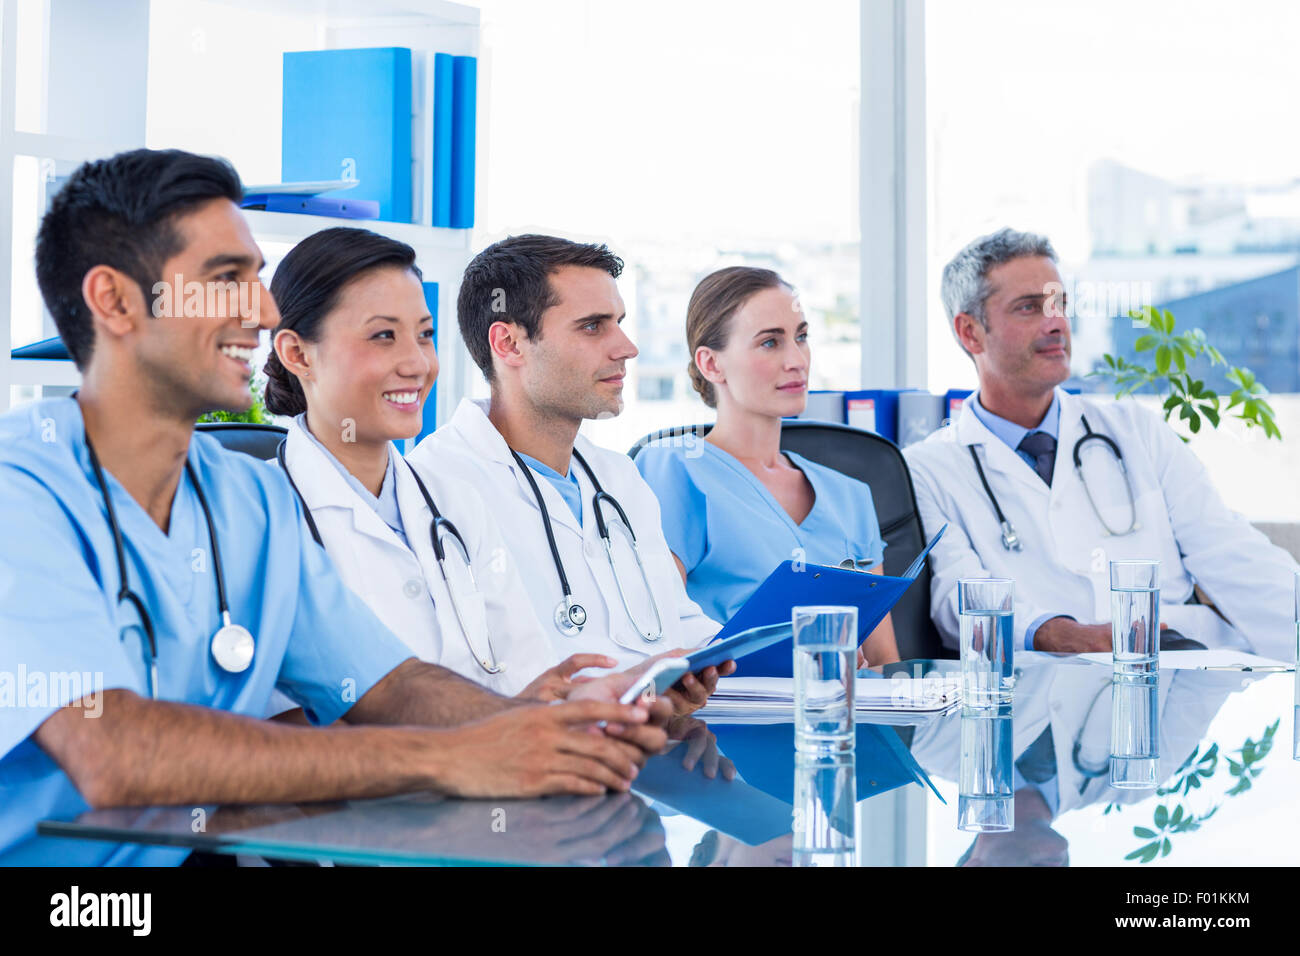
(353, 363)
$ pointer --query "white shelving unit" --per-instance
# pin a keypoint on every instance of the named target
(62, 104)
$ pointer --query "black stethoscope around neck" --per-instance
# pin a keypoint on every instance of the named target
(438, 527)
(1011, 541)
(570, 617)
(232, 645)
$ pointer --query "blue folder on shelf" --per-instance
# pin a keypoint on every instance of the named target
(791, 586)
(347, 115)
(51, 348)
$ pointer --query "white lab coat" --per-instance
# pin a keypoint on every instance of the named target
(1063, 567)
(405, 588)
(470, 447)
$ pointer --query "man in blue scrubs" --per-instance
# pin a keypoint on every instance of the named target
(151, 274)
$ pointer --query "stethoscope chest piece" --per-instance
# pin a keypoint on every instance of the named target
(570, 617)
(232, 647)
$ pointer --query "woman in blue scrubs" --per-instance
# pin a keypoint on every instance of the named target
(734, 506)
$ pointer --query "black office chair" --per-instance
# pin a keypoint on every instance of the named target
(878, 462)
(260, 441)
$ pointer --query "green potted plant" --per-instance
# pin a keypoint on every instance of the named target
(256, 414)
(1168, 376)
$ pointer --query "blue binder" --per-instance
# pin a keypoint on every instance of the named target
(347, 115)
(442, 138)
(791, 586)
(430, 414)
(464, 121)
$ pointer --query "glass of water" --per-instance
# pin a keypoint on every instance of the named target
(985, 611)
(825, 668)
(825, 809)
(1135, 616)
(985, 800)
(1135, 686)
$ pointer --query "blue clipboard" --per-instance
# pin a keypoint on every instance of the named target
(739, 645)
(791, 586)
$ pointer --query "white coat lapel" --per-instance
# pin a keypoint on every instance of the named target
(482, 436)
(325, 489)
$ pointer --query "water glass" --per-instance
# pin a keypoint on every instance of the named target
(985, 612)
(825, 668)
(985, 800)
(825, 810)
(1135, 731)
(1135, 616)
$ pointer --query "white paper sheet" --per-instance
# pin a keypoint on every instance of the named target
(1223, 658)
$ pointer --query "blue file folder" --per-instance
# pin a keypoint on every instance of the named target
(429, 420)
(442, 136)
(347, 115)
(794, 585)
(464, 121)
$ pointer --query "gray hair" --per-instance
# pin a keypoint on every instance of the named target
(965, 285)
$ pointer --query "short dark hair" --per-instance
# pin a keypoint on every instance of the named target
(120, 212)
(509, 282)
(306, 287)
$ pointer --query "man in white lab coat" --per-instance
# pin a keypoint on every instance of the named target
(1008, 476)
(541, 317)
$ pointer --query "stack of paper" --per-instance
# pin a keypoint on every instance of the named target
(771, 699)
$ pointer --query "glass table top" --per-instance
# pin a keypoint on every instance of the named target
(1227, 795)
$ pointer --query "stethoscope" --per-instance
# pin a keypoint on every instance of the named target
(438, 527)
(232, 645)
(570, 617)
(1011, 541)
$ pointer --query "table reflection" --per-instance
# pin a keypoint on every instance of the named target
(724, 794)
(1062, 746)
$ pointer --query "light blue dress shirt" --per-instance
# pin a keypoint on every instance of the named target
(1012, 435)
(60, 616)
(386, 504)
(731, 533)
(566, 485)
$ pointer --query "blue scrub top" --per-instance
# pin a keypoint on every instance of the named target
(731, 533)
(63, 632)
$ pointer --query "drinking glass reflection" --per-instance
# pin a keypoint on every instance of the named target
(985, 802)
(825, 810)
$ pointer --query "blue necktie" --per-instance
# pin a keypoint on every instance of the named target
(1042, 448)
